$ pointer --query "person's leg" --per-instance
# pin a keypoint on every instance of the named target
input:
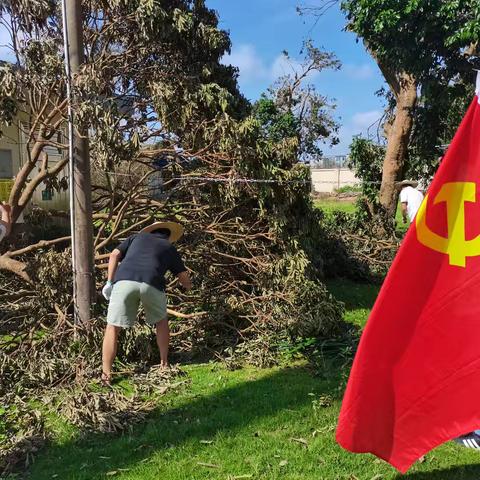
(155, 305)
(109, 349)
(122, 312)
(163, 341)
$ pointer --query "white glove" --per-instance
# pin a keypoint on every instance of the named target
(107, 290)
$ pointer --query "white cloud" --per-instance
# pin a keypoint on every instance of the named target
(253, 68)
(359, 72)
(249, 63)
(284, 66)
(363, 120)
(361, 123)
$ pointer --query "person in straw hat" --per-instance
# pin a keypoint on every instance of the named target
(136, 273)
(410, 199)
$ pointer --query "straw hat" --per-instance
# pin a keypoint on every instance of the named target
(406, 183)
(176, 230)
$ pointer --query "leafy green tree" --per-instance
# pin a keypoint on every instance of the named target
(416, 44)
(293, 108)
(366, 159)
(152, 69)
(438, 114)
(275, 124)
(153, 81)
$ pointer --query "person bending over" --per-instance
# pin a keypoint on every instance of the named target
(136, 274)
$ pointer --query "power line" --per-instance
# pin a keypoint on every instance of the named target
(239, 180)
(251, 180)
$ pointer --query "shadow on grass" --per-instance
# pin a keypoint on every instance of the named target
(465, 472)
(199, 419)
(353, 294)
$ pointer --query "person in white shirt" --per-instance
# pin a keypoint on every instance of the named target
(410, 199)
(5, 220)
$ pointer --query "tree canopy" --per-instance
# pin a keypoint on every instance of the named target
(426, 51)
(173, 138)
(428, 39)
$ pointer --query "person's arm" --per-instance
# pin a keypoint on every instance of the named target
(177, 267)
(113, 261)
(404, 204)
(185, 281)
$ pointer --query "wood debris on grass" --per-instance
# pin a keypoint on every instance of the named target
(82, 403)
(300, 440)
(207, 465)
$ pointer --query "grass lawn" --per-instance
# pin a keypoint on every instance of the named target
(270, 424)
(357, 297)
(331, 205)
(261, 424)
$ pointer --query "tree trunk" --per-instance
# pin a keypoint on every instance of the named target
(398, 137)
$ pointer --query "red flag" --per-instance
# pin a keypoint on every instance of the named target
(415, 381)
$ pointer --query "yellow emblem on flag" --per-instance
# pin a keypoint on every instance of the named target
(454, 194)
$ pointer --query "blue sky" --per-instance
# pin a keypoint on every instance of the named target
(261, 29)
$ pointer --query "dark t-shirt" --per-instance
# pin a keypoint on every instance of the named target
(146, 258)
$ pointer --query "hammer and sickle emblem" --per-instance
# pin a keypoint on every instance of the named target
(457, 248)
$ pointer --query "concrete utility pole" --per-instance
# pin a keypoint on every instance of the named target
(82, 228)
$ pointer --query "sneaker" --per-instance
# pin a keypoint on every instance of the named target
(470, 440)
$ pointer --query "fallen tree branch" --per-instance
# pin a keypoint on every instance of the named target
(37, 246)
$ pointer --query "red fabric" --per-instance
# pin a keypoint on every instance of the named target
(415, 381)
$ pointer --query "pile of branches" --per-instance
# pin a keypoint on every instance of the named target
(43, 356)
(359, 245)
(252, 252)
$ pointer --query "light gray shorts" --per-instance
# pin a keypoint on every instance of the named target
(126, 298)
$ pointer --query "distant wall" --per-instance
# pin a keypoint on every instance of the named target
(326, 180)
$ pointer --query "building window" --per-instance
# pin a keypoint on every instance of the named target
(47, 194)
(6, 164)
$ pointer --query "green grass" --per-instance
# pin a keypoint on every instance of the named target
(357, 297)
(267, 424)
(330, 205)
(223, 424)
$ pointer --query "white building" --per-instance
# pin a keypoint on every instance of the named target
(332, 173)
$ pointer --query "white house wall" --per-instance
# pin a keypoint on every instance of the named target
(330, 179)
